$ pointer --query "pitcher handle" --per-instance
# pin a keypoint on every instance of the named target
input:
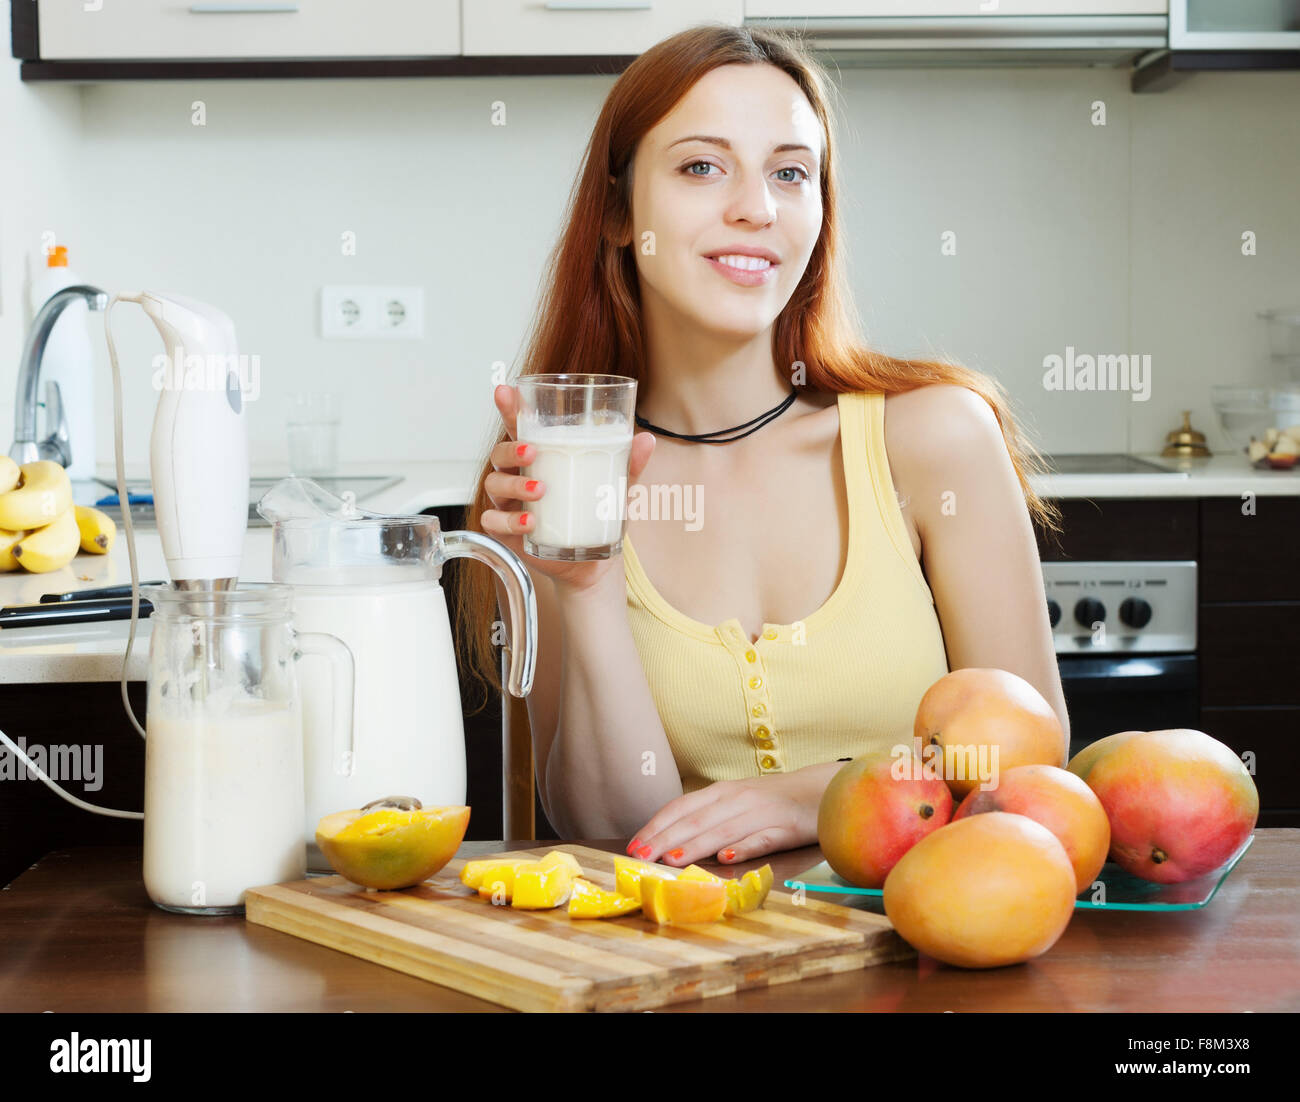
(340, 658)
(519, 594)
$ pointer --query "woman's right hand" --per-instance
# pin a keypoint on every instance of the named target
(510, 495)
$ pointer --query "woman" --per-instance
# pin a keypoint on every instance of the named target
(687, 695)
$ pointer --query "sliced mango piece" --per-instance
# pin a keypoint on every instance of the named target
(472, 874)
(694, 872)
(628, 874)
(538, 887)
(499, 877)
(560, 857)
(682, 902)
(749, 891)
(592, 901)
(390, 848)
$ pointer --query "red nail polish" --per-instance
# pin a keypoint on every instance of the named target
(643, 852)
(531, 485)
(524, 519)
(728, 855)
(676, 854)
(520, 450)
(632, 845)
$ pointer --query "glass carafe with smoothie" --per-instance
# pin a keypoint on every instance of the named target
(223, 754)
(582, 428)
(373, 581)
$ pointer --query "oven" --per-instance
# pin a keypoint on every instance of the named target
(1125, 640)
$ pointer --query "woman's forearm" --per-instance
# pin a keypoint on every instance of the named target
(610, 766)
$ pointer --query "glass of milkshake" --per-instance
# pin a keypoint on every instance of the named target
(581, 426)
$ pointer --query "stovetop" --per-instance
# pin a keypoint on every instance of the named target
(1106, 463)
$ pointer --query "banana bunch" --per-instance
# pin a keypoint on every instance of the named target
(40, 528)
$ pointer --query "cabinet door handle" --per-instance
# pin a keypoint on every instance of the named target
(598, 5)
(241, 8)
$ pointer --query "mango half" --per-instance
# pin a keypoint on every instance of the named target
(390, 847)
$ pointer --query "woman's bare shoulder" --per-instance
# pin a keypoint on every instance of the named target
(928, 428)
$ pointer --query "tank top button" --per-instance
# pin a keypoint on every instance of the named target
(765, 744)
(769, 634)
(768, 762)
(755, 682)
(759, 709)
(750, 656)
(761, 732)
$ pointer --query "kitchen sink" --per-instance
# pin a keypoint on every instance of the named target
(95, 492)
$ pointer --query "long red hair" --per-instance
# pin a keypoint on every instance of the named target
(590, 302)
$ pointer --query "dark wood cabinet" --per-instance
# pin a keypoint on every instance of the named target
(1250, 654)
(1249, 581)
(1137, 529)
(86, 717)
(1251, 556)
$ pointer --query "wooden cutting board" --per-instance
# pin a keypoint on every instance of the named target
(544, 960)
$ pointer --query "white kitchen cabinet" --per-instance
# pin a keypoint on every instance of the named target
(920, 9)
(184, 29)
(556, 27)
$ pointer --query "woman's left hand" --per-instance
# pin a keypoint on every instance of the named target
(735, 820)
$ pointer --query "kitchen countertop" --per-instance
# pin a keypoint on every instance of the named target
(78, 934)
(93, 652)
(1222, 475)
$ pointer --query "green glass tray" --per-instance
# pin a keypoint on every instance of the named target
(1123, 891)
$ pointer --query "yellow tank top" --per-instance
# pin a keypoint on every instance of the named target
(844, 681)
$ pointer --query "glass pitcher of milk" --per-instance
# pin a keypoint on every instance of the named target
(373, 581)
(223, 787)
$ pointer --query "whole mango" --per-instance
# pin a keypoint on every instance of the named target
(1180, 803)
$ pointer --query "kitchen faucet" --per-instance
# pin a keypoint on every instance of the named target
(56, 446)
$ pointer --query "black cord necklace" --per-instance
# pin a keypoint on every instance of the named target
(717, 436)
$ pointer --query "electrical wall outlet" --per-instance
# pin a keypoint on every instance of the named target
(346, 313)
(372, 313)
(399, 313)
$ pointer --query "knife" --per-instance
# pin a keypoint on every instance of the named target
(91, 594)
(70, 612)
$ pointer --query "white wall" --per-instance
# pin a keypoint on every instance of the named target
(1122, 238)
(41, 136)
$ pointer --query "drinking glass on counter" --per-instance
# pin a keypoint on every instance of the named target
(313, 429)
(582, 427)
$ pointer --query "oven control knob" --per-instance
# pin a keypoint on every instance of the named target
(1053, 612)
(1135, 612)
(1088, 611)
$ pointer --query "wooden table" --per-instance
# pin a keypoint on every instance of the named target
(78, 934)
